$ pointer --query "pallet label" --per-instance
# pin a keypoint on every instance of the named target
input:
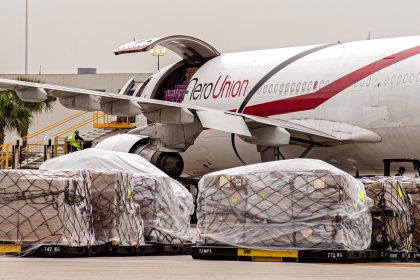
(205, 251)
(335, 255)
(51, 249)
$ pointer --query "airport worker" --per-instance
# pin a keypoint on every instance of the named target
(401, 171)
(74, 141)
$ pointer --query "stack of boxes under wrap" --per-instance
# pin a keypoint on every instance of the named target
(45, 207)
(165, 209)
(116, 216)
(393, 221)
(414, 192)
(284, 204)
(412, 188)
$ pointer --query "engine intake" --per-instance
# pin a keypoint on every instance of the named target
(169, 162)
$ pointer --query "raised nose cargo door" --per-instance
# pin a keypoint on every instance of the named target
(188, 48)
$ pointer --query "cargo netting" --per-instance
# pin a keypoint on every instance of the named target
(413, 189)
(116, 216)
(165, 205)
(392, 214)
(301, 203)
(45, 207)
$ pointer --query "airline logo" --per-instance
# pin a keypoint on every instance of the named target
(223, 87)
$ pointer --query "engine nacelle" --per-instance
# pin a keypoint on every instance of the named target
(169, 162)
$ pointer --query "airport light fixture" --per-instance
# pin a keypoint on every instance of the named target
(158, 53)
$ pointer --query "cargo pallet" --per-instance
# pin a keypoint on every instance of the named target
(110, 249)
(301, 256)
(174, 249)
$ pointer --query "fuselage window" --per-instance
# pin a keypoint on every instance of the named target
(321, 84)
(361, 83)
(281, 88)
(298, 87)
(405, 78)
(270, 88)
(265, 89)
(287, 88)
(368, 81)
(399, 79)
(327, 82)
(310, 86)
(386, 80)
(276, 87)
(418, 77)
(393, 79)
(292, 88)
(411, 77)
(315, 85)
(303, 86)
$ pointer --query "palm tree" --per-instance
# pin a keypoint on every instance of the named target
(33, 108)
(12, 114)
(16, 114)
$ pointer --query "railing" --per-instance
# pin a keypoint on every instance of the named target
(107, 124)
(47, 128)
(57, 137)
(98, 119)
(5, 155)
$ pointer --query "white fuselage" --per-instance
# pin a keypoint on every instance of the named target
(371, 84)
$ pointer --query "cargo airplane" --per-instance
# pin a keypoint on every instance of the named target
(351, 104)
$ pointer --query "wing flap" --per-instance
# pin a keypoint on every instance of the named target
(219, 120)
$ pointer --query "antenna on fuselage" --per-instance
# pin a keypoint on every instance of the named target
(369, 34)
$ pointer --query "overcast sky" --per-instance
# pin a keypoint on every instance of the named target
(67, 34)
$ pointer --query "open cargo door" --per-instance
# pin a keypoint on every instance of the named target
(188, 48)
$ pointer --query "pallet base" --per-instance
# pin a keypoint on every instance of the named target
(174, 249)
(111, 249)
(301, 256)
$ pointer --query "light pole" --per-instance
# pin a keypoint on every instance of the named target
(158, 53)
(26, 36)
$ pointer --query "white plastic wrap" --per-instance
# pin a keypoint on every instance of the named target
(300, 203)
(165, 205)
(165, 209)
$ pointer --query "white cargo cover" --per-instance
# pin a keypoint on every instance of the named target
(298, 203)
(168, 204)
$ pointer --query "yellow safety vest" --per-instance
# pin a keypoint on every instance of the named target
(72, 140)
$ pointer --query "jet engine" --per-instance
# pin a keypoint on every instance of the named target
(160, 144)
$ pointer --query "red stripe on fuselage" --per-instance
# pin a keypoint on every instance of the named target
(312, 100)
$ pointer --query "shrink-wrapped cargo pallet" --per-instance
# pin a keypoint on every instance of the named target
(393, 221)
(165, 209)
(285, 204)
(165, 204)
(412, 187)
(116, 216)
(45, 207)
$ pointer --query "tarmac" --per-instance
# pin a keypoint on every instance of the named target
(184, 267)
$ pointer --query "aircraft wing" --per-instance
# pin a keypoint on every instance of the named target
(253, 129)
